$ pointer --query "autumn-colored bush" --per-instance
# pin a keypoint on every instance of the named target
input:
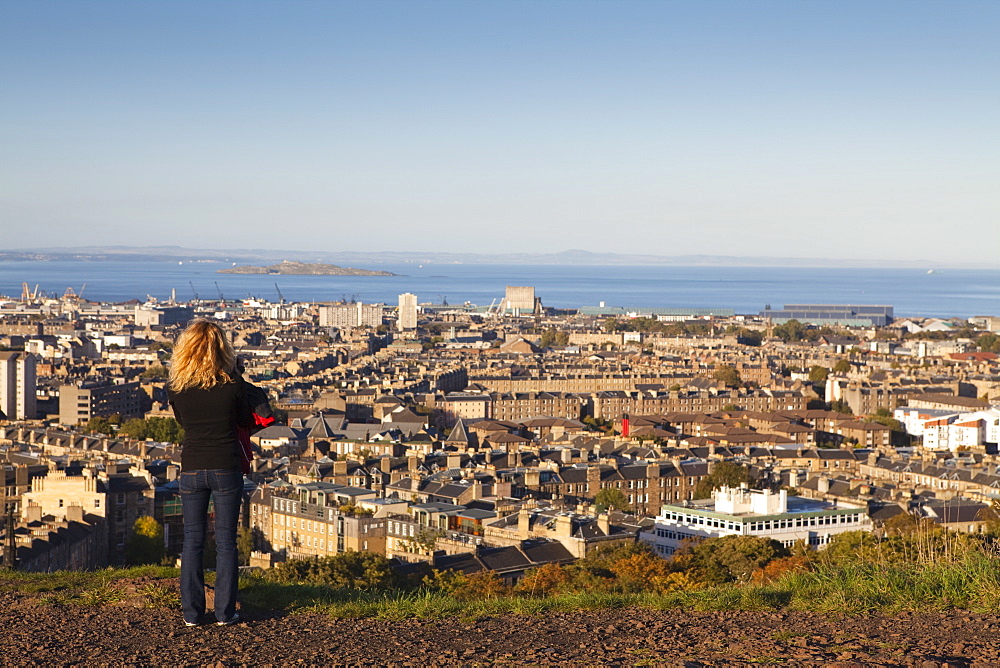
(544, 580)
(779, 567)
(675, 582)
(475, 586)
(639, 572)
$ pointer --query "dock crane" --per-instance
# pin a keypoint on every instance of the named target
(222, 300)
(29, 296)
(280, 296)
(195, 292)
(71, 296)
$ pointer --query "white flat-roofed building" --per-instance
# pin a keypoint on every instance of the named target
(947, 430)
(752, 512)
(913, 419)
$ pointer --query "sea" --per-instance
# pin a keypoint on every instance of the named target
(944, 293)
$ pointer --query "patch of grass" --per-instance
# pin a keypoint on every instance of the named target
(56, 599)
(785, 636)
(262, 594)
(35, 583)
(105, 595)
(81, 587)
(971, 582)
(156, 595)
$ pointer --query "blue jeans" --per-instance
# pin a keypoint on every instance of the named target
(225, 488)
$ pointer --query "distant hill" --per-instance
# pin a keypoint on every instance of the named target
(566, 257)
(289, 268)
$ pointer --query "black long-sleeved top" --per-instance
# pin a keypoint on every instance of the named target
(209, 418)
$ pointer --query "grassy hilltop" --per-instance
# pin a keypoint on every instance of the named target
(902, 599)
(913, 568)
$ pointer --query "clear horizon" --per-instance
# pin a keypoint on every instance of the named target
(849, 130)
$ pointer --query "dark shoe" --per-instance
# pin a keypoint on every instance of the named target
(234, 620)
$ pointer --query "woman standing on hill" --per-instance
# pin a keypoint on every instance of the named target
(206, 393)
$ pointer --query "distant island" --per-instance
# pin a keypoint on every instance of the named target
(304, 269)
(425, 258)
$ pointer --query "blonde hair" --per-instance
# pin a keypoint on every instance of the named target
(202, 357)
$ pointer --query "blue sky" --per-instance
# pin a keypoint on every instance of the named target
(834, 129)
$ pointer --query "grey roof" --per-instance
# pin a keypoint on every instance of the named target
(458, 433)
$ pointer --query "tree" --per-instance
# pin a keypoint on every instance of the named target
(818, 374)
(792, 330)
(728, 375)
(161, 429)
(145, 545)
(135, 428)
(611, 498)
(245, 540)
(348, 570)
(884, 416)
(989, 343)
(841, 406)
(99, 425)
(728, 474)
(600, 424)
(842, 366)
(155, 372)
(730, 558)
(991, 516)
(744, 336)
(553, 337)
(425, 542)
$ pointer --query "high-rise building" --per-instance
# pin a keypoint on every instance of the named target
(520, 300)
(17, 385)
(407, 311)
(349, 316)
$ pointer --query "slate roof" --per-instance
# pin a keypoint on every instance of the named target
(458, 433)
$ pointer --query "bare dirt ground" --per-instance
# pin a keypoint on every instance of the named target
(127, 635)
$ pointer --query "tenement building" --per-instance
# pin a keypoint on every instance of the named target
(315, 519)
